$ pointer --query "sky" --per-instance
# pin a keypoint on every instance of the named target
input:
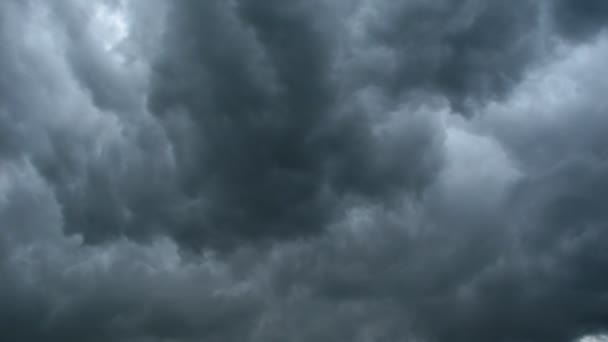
(303, 170)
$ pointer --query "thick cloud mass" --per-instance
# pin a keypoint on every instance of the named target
(247, 170)
(270, 149)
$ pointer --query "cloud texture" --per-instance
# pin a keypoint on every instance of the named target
(247, 170)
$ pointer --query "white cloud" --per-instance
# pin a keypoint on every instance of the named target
(594, 338)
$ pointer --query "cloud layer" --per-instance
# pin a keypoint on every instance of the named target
(247, 170)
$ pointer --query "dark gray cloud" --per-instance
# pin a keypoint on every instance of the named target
(578, 19)
(269, 150)
(305, 170)
(468, 50)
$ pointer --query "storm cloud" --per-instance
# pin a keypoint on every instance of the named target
(250, 170)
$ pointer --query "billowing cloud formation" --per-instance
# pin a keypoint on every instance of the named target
(303, 170)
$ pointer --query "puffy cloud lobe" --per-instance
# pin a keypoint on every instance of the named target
(469, 50)
(270, 149)
(264, 171)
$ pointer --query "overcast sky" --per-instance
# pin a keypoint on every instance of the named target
(303, 170)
